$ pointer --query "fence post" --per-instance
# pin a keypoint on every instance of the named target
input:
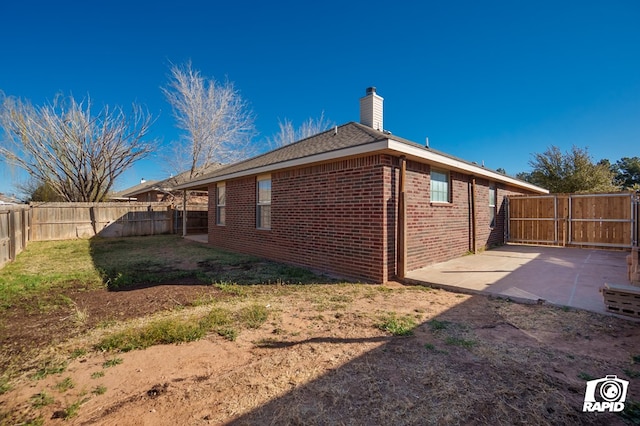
(94, 221)
(170, 216)
(12, 236)
(25, 227)
(150, 211)
(184, 213)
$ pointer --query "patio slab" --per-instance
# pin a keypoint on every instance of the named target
(557, 275)
(199, 238)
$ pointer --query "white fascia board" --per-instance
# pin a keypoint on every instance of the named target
(383, 145)
(457, 165)
(297, 162)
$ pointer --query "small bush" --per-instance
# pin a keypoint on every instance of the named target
(157, 333)
(4, 385)
(99, 390)
(253, 316)
(41, 399)
(112, 362)
(97, 374)
(217, 317)
(398, 326)
(50, 367)
(71, 411)
(219, 320)
(231, 289)
(228, 333)
(77, 353)
(65, 385)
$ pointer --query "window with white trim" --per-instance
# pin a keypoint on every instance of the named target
(440, 185)
(221, 203)
(263, 205)
(492, 205)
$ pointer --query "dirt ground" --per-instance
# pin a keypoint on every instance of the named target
(320, 359)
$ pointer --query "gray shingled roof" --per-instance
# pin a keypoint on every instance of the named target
(165, 185)
(348, 135)
(136, 189)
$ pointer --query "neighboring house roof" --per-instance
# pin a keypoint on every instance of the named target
(166, 185)
(5, 199)
(345, 141)
(136, 189)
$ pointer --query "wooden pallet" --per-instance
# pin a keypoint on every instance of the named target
(622, 299)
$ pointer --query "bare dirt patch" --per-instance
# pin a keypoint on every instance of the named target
(25, 327)
(322, 358)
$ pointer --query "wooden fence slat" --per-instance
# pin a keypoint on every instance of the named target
(600, 220)
(20, 224)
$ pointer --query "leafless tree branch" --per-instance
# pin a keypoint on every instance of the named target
(63, 145)
(289, 134)
(217, 124)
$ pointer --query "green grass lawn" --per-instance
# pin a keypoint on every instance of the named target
(45, 268)
(48, 265)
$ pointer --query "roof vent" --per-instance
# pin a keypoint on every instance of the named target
(371, 109)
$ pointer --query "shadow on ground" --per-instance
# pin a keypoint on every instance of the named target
(134, 263)
(484, 361)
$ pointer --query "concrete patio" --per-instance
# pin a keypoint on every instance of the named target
(561, 276)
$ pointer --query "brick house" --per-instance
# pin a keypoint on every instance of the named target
(162, 191)
(358, 202)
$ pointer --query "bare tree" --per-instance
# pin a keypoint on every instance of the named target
(63, 146)
(288, 134)
(217, 123)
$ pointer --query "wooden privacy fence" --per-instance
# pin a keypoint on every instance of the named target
(14, 235)
(63, 221)
(20, 224)
(598, 220)
(197, 219)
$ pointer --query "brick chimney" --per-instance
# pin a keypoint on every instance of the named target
(371, 109)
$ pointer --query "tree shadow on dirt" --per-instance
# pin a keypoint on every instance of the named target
(484, 361)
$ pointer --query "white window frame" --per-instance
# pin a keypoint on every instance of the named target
(263, 205)
(221, 204)
(435, 192)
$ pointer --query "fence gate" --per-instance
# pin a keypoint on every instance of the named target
(599, 220)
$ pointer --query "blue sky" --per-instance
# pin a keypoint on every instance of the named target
(491, 81)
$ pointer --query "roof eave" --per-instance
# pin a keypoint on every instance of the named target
(391, 145)
(449, 163)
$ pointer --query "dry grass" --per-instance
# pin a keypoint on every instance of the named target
(328, 354)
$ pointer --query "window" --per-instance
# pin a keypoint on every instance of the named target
(263, 208)
(221, 202)
(439, 187)
(492, 205)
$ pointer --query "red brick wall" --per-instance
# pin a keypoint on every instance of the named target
(341, 217)
(330, 217)
(435, 231)
(487, 236)
(441, 231)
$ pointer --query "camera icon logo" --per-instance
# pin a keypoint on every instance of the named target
(605, 395)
